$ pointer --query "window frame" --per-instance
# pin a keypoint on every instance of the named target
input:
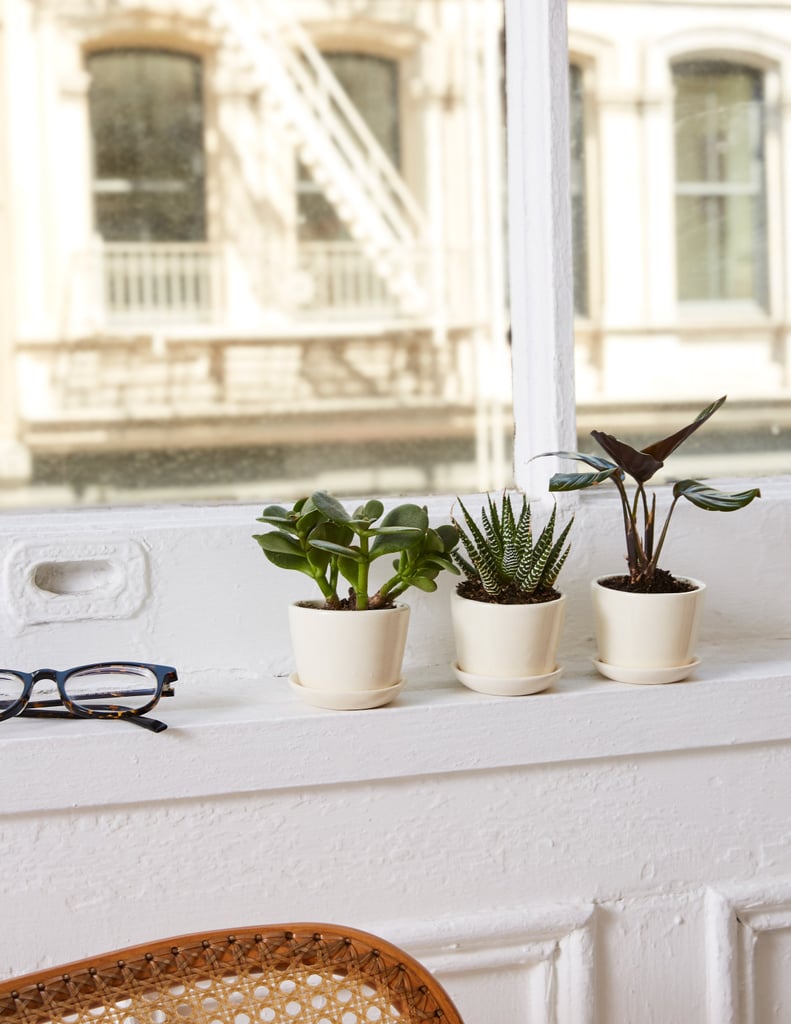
(540, 247)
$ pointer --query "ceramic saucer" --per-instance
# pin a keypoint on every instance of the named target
(353, 700)
(646, 676)
(519, 687)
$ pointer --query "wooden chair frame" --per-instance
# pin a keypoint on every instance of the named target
(311, 973)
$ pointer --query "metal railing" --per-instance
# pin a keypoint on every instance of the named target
(144, 284)
(165, 282)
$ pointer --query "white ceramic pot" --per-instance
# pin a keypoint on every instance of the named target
(647, 631)
(348, 651)
(506, 641)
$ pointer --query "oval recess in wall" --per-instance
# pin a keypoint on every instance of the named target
(67, 581)
(89, 576)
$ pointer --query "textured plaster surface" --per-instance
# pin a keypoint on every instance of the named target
(599, 852)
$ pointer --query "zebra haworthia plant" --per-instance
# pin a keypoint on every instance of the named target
(644, 541)
(501, 557)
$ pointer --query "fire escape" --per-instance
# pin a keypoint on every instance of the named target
(384, 267)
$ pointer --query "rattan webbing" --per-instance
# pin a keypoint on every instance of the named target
(305, 974)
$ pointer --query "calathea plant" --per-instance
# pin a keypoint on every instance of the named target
(319, 538)
(503, 564)
(644, 538)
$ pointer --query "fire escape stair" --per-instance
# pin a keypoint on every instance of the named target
(332, 140)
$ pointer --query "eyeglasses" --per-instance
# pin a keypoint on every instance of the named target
(82, 692)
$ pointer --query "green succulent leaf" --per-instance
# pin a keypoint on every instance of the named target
(510, 560)
(449, 536)
(493, 532)
(410, 515)
(283, 556)
(479, 552)
(524, 528)
(330, 507)
(557, 556)
(439, 562)
(402, 528)
(711, 499)
(279, 542)
(338, 549)
(310, 520)
(275, 512)
(424, 583)
(371, 510)
(294, 562)
(396, 531)
(508, 522)
(390, 543)
(465, 566)
(349, 569)
(318, 537)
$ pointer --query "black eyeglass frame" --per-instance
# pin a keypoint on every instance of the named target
(165, 676)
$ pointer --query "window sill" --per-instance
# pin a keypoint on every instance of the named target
(242, 737)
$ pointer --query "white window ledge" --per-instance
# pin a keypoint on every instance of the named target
(236, 737)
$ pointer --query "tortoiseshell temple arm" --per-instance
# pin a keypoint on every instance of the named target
(152, 724)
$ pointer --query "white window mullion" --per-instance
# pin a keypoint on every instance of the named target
(542, 307)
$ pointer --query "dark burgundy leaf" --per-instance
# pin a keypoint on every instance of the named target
(641, 466)
(661, 449)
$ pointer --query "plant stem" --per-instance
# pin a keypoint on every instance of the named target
(362, 573)
(658, 552)
(328, 590)
(648, 533)
(634, 549)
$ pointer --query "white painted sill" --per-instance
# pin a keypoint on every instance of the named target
(231, 738)
(217, 611)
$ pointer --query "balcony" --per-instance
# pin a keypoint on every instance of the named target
(141, 284)
(195, 344)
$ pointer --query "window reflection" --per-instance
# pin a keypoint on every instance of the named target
(720, 206)
(146, 110)
(680, 172)
(261, 263)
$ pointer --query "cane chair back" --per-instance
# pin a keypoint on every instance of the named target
(282, 974)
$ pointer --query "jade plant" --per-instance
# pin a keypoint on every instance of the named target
(503, 564)
(645, 539)
(319, 538)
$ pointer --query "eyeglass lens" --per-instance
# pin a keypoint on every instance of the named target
(11, 687)
(130, 687)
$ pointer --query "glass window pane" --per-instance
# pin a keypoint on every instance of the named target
(686, 181)
(147, 132)
(720, 221)
(717, 240)
(270, 258)
(372, 84)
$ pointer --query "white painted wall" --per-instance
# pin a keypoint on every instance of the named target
(586, 853)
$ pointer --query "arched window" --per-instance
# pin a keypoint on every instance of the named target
(146, 111)
(371, 83)
(578, 196)
(721, 240)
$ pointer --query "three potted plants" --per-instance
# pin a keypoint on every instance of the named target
(507, 616)
(349, 649)
(647, 619)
